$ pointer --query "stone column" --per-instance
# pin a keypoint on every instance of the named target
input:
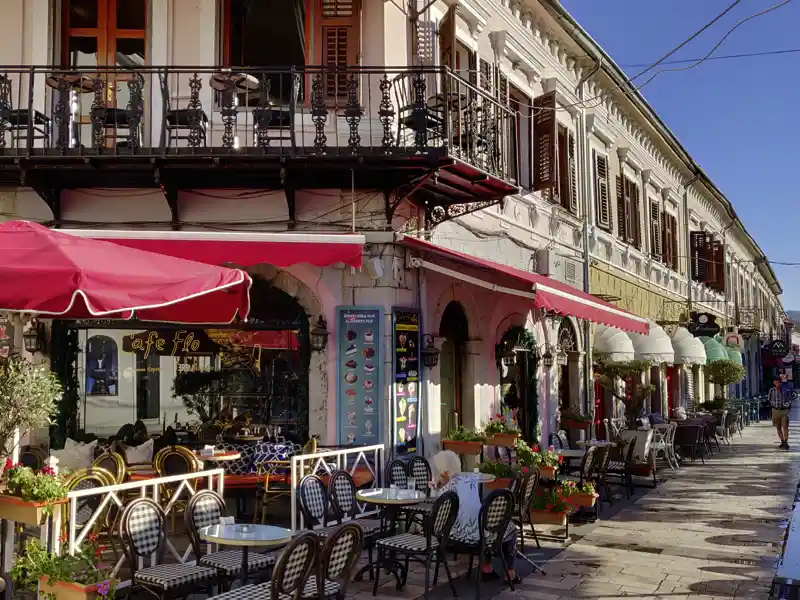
(474, 406)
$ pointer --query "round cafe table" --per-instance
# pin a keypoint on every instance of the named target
(596, 443)
(570, 453)
(245, 537)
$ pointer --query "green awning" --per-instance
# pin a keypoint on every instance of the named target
(714, 350)
(734, 354)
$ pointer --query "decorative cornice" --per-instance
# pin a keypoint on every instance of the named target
(473, 13)
(594, 125)
(553, 84)
(628, 157)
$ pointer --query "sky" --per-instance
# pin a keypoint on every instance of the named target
(736, 117)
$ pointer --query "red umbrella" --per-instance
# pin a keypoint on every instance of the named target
(54, 274)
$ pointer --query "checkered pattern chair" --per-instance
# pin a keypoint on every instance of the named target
(290, 576)
(495, 527)
(339, 557)
(525, 492)
(420, 470)
(424, 548)
(314, 505)
(144, 532)
(206, 508)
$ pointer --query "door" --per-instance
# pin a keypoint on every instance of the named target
(600, 410)
(450, 398)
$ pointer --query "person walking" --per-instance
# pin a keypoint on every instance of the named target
(780, 400)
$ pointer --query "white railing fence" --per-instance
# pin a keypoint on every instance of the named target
(328, 462)
(114, 496)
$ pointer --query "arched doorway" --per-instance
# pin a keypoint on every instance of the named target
(519, 383)
(454, 328)
(567, 343)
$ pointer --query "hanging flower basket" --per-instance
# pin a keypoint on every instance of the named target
(547, 472)
(582, 499)
(461, 447)
(573, 424)
(501, 483)
(504, 440)
(68, 590)
(14, 508)
(548, 517)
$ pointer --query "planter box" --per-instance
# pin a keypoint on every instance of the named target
(548, 517)
(465, 448)
(504, 440)
(13, 508)
(572, 424)
(582, 499)
(68, 590)
(547, 472)
(501, 483)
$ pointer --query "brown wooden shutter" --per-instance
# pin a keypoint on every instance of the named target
(545, 140)
(716, 258)
(485, 75)
(572, 172)
(674, 245)
(602, 201)
(656, 233)
(502, 88)
(447, 38)
(697, 253)
(621, 208)
(340, 28)
(636, 217)
(666, 239)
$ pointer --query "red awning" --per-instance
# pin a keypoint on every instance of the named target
(243, 249)
(546, 293)
(47, 272)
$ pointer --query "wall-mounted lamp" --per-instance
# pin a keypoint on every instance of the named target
(319, 335)
(33, 337)
(547, 358)
(429, 352)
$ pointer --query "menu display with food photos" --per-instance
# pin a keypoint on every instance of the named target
(359, 397)
(406, 379)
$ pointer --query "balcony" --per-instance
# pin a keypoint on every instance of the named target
(424, 132)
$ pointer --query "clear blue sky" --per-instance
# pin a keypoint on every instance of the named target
(737, 117)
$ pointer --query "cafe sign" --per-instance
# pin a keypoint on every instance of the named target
(169, 342)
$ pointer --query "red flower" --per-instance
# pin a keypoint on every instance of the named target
(536, 448)
(92, 537)
(9, 464)
(525, 469)
(499, 416)
(549, 507)
(560, 459)
(48, 470)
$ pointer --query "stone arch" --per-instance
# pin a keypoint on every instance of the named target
(572, 324)
(459, 293)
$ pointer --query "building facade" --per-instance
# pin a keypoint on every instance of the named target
(497, 130)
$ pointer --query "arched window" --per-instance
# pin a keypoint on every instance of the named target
(102, 372)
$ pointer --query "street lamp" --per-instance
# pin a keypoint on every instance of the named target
(430, 353)
(319, 335)
(547, 358)
(32, 337)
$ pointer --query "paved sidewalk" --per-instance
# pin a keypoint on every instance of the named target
(707, 531)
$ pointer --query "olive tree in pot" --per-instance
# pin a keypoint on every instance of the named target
(724, 373)
(610, 373)
(28, 396)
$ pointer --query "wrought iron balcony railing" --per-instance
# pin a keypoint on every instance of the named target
(98, 112)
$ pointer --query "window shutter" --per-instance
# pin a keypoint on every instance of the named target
(340, 24)
(699, 266)
(572, 171)
(666, 239)
(711, 261)
(674, 244)
(656, 241)
(637, 217)
(621, 212)
(485, 71)
(602, 201)
(545, 139)
(447, 39)
(502, 88)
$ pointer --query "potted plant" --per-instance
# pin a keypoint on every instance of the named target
(579, 494)
(549, 507)
(65, 577)
(29, 495)
(611, 373)
(464, 441)
(724, 373)
(574, 419)
(504, 473)
(498, 433)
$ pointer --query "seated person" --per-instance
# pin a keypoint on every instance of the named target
(447, 477)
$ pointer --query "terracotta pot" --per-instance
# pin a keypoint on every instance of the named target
(504, 440)
(582, 499)
(548, 517)
(13, 508)
(572, 424)
(466, 448)
(68, 590)
(547, 472)
(501, 483)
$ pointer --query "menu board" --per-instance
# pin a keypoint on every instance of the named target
(359, 394)
(406, 381)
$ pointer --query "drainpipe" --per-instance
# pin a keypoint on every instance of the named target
(727, 288)
(688, 240)
(584, 169)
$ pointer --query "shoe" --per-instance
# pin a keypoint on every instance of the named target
(783, 446)
(516, 580)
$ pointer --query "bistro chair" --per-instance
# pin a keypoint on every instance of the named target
(143, 529)
(290, 576)
(425, 548)
(33, 457)
(621, 472)
(420, 470)
(175, 460)
(18, 120)
(397, 474)
(525, 493)
(345, 507)
(314, 505)
(338, 559)
(113, 463)
(207, 508)
(277, 474)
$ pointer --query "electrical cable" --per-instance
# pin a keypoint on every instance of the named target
(722, 57)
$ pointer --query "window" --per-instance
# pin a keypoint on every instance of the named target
(656, 242)
(104, 32)
(102, 372)
(669, 240)
(706, 256)
(601, 199)
(485, 75)
(566, 192)
(148, 386)
(628, 212)
(523, 136)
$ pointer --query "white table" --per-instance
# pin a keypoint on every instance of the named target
(569, 453)
(596, 443)
(245, 536)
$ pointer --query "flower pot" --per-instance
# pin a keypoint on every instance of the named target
(573, 424)
(548, 517)
(465, 448)
(68, 590)
(501, 483)
(547, 472)
(504, 440)
(582, 499)
(13, 508)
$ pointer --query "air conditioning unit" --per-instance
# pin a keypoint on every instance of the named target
(559, 267)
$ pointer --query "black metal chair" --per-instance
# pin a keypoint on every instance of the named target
(420, 470)
(689, 438)
(345, 507)
(525, 492)
(314, 505)
(207, 508)
(20, 121)
(397, 474)
(621, 472)
(423, 549)
(338, 558)
(144, 533)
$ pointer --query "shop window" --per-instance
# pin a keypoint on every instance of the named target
(102, 372)
(148, 384)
